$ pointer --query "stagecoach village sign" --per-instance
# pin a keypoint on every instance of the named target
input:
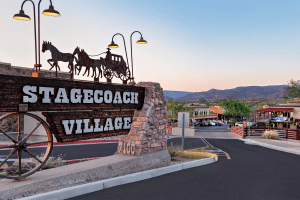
(78, 96)
(77, 110)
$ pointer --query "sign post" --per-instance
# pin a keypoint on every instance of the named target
(183, 121)
(183, 131)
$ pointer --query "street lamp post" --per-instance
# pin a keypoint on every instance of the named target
(114, 45)
(22, 16)
(140, 41)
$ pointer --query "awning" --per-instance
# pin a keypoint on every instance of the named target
(276, 110)
(256, 114)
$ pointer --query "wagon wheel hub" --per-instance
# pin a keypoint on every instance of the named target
(21, 146)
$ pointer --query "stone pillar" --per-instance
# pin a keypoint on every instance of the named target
(148, 128)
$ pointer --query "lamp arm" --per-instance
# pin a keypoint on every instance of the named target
(34, 26)
(39, 30)
(131, 50)
(124, 45)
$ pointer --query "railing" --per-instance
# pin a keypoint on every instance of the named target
(205, 116)
(261, 117)
(282, 133)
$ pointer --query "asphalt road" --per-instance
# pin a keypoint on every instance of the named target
(253, 172)
(70, 152)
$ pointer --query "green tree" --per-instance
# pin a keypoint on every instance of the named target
(235, 108)
(260, 105)
(174, 107)
(292, 89)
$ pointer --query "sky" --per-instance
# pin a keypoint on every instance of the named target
(192, 46)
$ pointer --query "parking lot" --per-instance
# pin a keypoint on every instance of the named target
(214, 132)
(223, 128)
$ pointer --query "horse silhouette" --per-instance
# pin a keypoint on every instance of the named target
(84, 60)
(58, 56)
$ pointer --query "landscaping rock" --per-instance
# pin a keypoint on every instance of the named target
(26, 163)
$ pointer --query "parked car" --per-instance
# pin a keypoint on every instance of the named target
(218, 124)
(207, 124)
(212, 123)
(195, 123)
(240, 124)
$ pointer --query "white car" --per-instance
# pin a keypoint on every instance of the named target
(212, 123)
(240, 124)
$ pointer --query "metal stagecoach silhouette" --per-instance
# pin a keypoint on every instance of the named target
(112, 65)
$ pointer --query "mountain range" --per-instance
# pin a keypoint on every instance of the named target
(270, 92)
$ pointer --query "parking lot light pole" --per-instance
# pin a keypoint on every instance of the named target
(114, 45)
(140, 41)
(22, 16)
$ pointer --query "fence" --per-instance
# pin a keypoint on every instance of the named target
(282, 133)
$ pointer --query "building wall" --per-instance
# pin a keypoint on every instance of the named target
(201, 111)
(296, 113)
(214, 109)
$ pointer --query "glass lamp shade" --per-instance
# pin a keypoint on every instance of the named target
(113, 45)
(141, 41)
(51, 12)
(21, 16)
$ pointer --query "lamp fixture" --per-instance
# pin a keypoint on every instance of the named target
(22, 16)
(113, 45)
(141, 41)
(51, 12)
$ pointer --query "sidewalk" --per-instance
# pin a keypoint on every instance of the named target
(290, 146)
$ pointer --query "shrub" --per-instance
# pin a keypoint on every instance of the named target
(178, 151)
(174, 151)
(270, 135)
(52, 162)
(267, 123)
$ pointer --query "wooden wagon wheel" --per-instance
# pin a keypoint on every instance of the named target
(108, 73)
(22, 160)
(126, 75)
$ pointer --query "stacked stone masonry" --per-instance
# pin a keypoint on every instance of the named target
(148, 128)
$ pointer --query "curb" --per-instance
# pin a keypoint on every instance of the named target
(207, 154)
(130, 178)
(270, 146)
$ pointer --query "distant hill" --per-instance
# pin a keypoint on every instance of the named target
(271, 92)
(169, 94)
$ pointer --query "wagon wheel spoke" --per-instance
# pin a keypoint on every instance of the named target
(32, 143)
(12, 139)
(20, 161)
(19, 128)
(26, 150)
(7, 157)
(26, 138)
(8, 146)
